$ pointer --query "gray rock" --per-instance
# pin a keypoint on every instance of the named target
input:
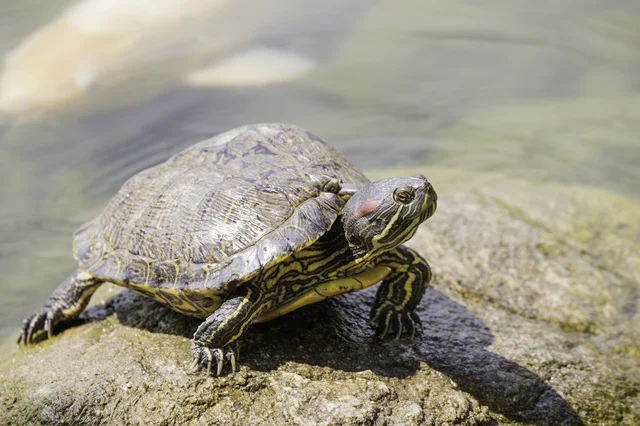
(532, 319)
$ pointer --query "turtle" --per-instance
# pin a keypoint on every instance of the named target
(244, 227)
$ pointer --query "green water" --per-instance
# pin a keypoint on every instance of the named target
(546, 91)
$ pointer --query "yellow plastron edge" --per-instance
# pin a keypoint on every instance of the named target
(327, 289)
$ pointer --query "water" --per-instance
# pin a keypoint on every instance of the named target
(547, 92)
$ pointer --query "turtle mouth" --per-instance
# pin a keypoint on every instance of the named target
(432, 200)
(432, 209)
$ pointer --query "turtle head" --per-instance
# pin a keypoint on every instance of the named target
(386, 213)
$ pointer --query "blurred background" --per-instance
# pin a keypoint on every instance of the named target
(93, 91)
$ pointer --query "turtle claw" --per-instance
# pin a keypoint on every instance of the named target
(399, 330)
(232, 359)
(35, 325)
(48, 325)
(220, 360)
(389, 321)
(214, 357)
(411, 328)
(416, 320)
(194, 367)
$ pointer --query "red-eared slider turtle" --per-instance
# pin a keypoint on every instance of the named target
(246, 226)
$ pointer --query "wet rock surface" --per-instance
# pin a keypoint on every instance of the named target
(531, 319)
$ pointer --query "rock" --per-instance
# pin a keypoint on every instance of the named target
(531, 319)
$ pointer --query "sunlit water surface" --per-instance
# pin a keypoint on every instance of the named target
(545, 91)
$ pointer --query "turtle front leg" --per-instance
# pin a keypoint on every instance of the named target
(215, 340)
(65, 303)
(400, 292)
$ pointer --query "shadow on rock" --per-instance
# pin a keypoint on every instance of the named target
(455, 341)
(334, 334)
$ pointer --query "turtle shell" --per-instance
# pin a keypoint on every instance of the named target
(217, 213)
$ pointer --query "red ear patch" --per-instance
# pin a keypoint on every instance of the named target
(367, 207)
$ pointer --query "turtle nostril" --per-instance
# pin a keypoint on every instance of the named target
(428, 188)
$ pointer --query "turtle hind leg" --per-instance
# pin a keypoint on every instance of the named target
(215, 340)
(400, 293)
(65, 303)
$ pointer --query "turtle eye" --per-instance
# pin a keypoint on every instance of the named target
(404, 195)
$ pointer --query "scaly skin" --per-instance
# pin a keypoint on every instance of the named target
(288, 282)
(65, 303)
(214, 339)
(392, 313)
(400, 293)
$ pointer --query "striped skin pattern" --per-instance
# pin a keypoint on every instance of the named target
(246, 226)
(400, 292)
(66, 301)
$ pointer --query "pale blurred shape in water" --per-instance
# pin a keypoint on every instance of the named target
(97, 44)
(254, 67)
